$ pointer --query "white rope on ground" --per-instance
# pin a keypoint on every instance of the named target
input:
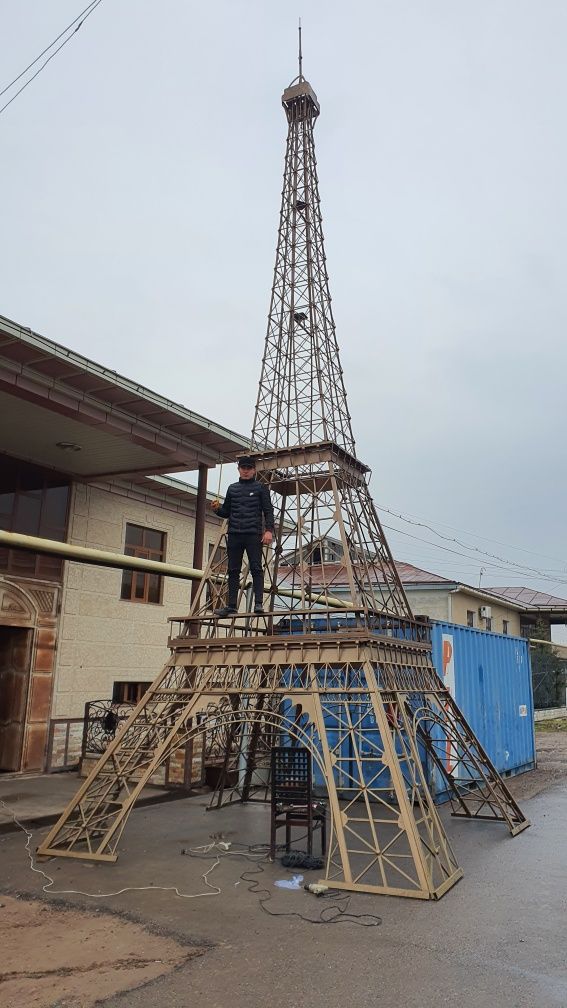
(49, 881)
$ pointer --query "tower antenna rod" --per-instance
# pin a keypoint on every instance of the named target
(300, 53)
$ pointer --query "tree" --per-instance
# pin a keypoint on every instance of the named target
(548, 671)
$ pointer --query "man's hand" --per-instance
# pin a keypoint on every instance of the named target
(215, 505)
(267, 538)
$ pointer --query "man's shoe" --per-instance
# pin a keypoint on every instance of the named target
(259, 609)
(227, 610)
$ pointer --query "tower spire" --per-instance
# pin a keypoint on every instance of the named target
(301, 398)
(302, 425)
(300, 53)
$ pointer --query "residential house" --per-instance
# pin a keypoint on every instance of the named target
(82, 457)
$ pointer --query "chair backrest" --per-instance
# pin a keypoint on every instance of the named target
(291, 775)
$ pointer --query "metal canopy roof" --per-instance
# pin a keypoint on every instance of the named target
(50, 396)
(528, 598)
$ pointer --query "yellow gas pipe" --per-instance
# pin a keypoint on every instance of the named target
(103, 558)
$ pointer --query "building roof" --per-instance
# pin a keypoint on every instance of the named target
(335, 573)
(412, 578)
(65, 412)
(414, 575)
(177, 487)
(180, 496)
(532, 599)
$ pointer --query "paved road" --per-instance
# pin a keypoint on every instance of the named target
(497, 940)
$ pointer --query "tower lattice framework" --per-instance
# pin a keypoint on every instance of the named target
(338, 663)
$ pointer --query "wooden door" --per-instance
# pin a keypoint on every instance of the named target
(15, 650)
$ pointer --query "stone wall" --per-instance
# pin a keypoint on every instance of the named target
(550, 714)
(65, 744)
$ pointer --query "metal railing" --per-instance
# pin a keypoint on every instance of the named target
(103, 718)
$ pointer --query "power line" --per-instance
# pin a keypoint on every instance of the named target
(81, 18)
(524, 568)
(509, 565)
(426, 523)
(50, 46)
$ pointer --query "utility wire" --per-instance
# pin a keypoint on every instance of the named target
(523, 568)
(510, 564)
(426, 523)
(50, 46)
(81, 18)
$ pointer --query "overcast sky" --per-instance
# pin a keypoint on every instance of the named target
(141, 180)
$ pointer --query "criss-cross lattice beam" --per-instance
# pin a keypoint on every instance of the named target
(301, 396)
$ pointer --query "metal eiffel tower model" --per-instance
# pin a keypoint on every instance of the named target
(338, 664)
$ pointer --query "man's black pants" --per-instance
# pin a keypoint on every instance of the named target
(239, 543)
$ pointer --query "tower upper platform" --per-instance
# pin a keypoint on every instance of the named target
(300, 101)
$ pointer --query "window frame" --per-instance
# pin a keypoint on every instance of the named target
(26, 482)
(145, 552)
(470, 617)
(121, 687)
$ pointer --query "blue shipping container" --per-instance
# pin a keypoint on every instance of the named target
(489, 675)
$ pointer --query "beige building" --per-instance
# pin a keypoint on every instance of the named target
(82, 453)
(429, 594)
(454, 602)
(113, 625)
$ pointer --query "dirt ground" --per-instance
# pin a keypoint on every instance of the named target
(58, 957)
(551, 745)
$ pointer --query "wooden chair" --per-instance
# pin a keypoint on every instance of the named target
(292, 802)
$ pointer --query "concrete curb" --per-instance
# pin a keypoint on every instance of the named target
(38, 822)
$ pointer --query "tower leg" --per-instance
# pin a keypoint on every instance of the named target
(476, 789)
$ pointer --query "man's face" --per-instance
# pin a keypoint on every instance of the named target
(246, 472)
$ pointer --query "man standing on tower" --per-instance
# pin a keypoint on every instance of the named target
(245, 505)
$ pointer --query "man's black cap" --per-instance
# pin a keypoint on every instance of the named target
(246, 460)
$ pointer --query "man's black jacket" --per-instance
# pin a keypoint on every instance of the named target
(244, 505)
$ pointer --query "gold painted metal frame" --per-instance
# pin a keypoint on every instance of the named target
(338, 663)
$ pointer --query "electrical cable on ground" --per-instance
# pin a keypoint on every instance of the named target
(257, 853)
(340, 914)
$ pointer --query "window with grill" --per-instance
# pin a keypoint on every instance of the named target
(505, 625)
(488, 623)
(138, 586)
(470, 617)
